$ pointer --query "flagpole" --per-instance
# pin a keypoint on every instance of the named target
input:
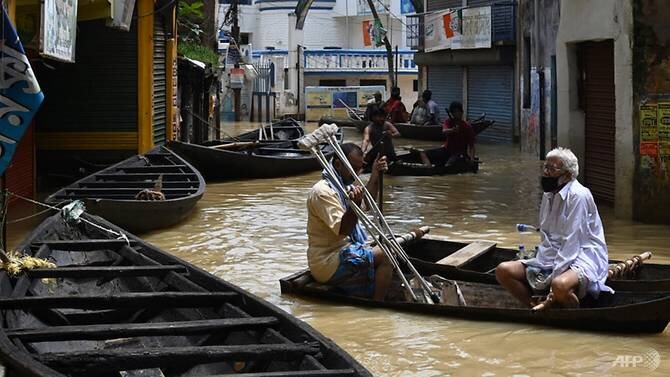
(389, 49)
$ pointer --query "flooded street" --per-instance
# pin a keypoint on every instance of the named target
(252, 233)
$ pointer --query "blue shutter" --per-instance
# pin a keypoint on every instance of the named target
(446, 83)
(491, 91)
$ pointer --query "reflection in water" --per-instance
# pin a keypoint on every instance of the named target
(252, 233)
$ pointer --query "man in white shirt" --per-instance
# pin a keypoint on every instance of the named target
(572, 256)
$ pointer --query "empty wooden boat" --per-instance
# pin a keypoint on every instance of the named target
(620, 312)
(114, 192)
(345, 122)
(285, 129)
(437, 255)
(117, 306)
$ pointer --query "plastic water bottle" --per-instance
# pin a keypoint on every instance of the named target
(524, 228)
(521, 254)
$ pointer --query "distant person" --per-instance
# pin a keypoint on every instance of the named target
(377, 132)
(419, 113)
(395, 109)
(433, 108)
(572, 257)
(375, 101)
(459, 141)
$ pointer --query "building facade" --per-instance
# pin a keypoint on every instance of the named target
(479, 73)
(333, 49)
(600, 88)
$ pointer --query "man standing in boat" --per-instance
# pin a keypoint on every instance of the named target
(572, 259)
(337, 254)
(377, 138)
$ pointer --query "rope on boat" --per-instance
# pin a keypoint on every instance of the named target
(119, 235)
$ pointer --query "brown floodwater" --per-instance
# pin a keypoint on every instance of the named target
(252, 233)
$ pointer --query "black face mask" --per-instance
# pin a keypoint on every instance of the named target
(550, 184)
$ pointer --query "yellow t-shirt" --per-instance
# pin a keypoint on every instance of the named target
(323, 227)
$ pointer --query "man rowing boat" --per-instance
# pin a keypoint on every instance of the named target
(572, 256)
(336, 253)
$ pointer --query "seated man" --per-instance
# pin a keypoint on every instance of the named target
(572, 256)
(377, 138)
(337, 254)
(459, 140)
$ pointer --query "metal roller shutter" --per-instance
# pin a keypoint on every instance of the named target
(446, 83)
(20, 174)
(99, 92)
(434, 5)
(599, 102)
(491, 91)
(159, 118)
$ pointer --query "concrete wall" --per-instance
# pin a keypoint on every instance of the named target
(652, 88)
(323, 28)
(596, 20)
(539, 25)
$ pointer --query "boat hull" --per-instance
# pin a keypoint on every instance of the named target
(426, 251)
(110, 193)
(646, 312)
(117, 305)
(217, 164)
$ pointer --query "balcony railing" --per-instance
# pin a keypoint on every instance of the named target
(356, 61)
(503, 25)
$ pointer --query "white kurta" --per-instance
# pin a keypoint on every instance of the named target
(572, 234)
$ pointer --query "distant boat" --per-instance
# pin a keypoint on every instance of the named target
(114, 192)
(124, 307)
(410, 164)
(246, 157)
(409, 130)
(285, 129)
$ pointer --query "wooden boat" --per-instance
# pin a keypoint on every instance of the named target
(434, 132)
(410, 164)
(124, 307)
(620, 312)
(113, 191)
(260, 161)
(436, 255)
(285, 129)
(342, 122)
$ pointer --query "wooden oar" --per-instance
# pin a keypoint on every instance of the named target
(626, 267)
(380, 193)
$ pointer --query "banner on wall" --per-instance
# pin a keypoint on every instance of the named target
(475, 30)
(452, 24)
(435, 36)
(59, 29)
(20, 94)
(122, 14)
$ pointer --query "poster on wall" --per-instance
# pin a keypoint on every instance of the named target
(122, 14)
(648, 126)
(59, 29)
(475, 29)
(406, 7)
(663, 121)
(435, 37)
(344, 99)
